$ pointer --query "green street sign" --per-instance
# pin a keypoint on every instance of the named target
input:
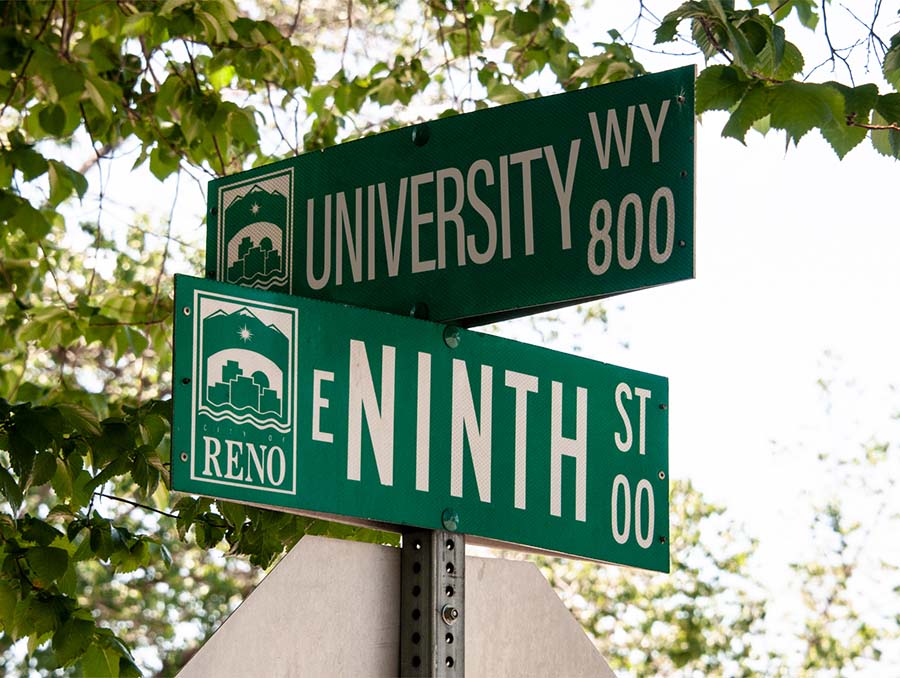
(473, 218)
(323, 408)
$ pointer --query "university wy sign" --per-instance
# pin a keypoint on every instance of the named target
(319, 407)
(492, 214)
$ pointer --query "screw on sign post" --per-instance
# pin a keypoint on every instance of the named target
(432, 603)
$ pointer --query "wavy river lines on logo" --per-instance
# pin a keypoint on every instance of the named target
(245, 393)
(256, 231)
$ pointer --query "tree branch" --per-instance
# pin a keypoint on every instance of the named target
(281, 133)
(712, 39)
(864, 125)
(219, 153)
(140, 323)
(347, 34)
(21, 75)
(834, 52)
(137, 505)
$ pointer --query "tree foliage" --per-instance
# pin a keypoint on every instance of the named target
(705, 618)
(761, 82)
(182, 90)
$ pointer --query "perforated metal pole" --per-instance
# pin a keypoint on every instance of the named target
(432, 604)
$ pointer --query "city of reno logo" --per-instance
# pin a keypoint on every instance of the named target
(255, 232)
(245, 393)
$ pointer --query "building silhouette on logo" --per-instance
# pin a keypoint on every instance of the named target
(254, 260)
(255, 237)
(244, 392)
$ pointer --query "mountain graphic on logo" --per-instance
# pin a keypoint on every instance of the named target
(255, 239)
(246, 376)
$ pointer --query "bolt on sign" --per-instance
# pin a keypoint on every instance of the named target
(323, 408)
(580, 195)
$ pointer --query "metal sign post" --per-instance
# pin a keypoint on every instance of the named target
(432, 604)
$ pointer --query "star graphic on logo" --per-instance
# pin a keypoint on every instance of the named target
(254, 208)
(245, 334)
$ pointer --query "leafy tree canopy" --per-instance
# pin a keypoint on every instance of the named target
(184, 90)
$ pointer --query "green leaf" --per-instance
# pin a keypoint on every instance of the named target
(885, 141)
(21, 452)
(165, 555)
(154, 428)
(67, 80)
(72, 639)
(233, 513)
(842, 137)
(525, 22)
(80, 418)
(791, 62)
(61, 511)
(93, 89)
(53, 119)
(888, 107)
(718, 88)
(36, 530)
(137, 24)
(858, 102)
(668, 29)
(799, 107)
(9, 597)
(806, 13)
(243, 127)
(41, 426)
(504, 93)
(63, 180)
(68, 582)
(163, 162)
(31, 221)
(130, 340)
(10, 489)
(44, 468)
(62, 480)
(47, 562)
(98, 662)
(169, 6)
(39, 614)
(81, 492)
(28, 161)
(222, 77)
(754, 106)
(737, 41)
(128, 669)
(117, 467)
(891, 64)
(304, 66)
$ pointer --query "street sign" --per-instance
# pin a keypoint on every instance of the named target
(323, 408)
(473, 218)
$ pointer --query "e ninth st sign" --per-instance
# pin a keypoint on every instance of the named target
(314, 406)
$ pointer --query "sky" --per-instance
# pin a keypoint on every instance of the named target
(797, 283)
(797, 271)
(797, 275)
